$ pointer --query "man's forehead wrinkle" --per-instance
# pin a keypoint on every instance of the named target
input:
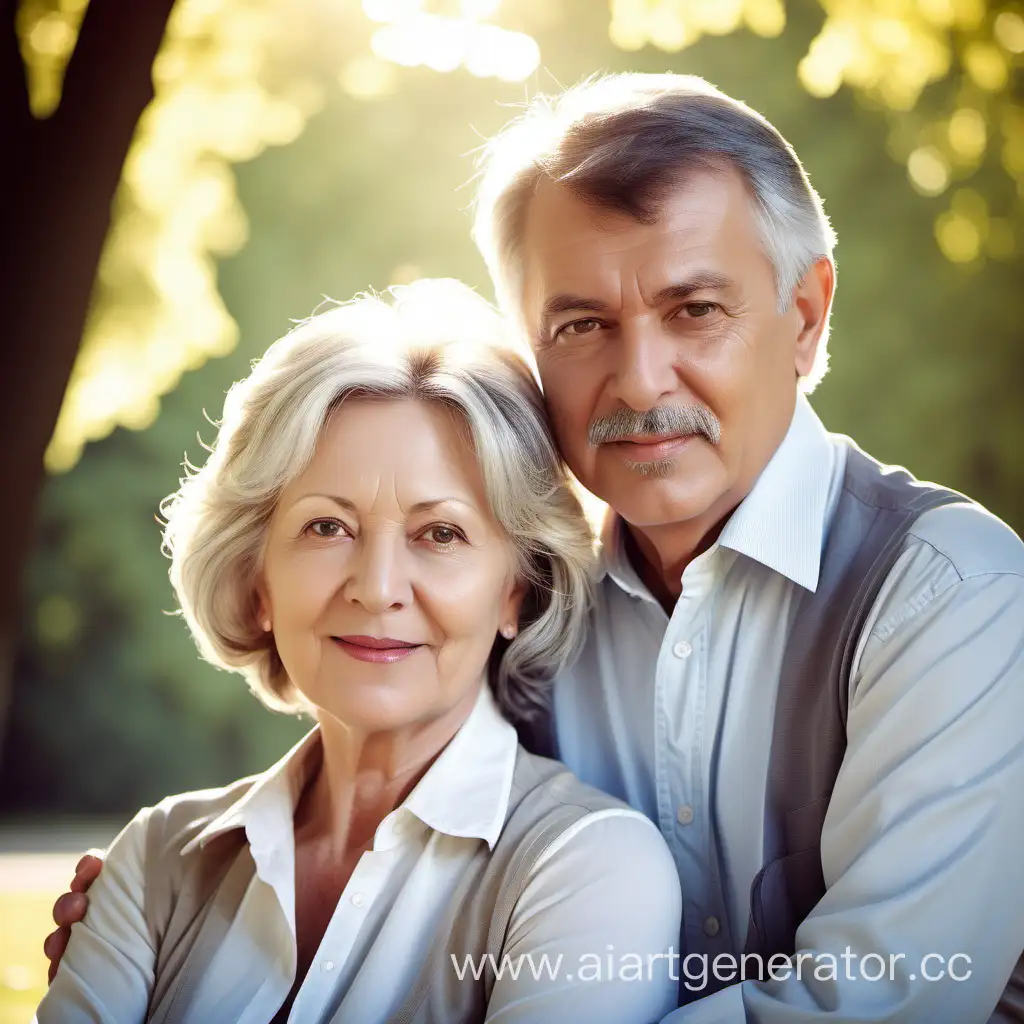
(608, 257)
(672, 238)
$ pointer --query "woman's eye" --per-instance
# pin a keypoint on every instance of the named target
(442, 536)
(579, 327)
(324, 528)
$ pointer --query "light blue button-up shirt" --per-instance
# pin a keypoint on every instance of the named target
(923, 844)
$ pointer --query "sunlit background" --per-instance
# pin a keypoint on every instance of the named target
(302, 148)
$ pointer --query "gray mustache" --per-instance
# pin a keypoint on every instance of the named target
(661, 421)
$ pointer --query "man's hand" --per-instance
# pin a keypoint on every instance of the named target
(70, 908)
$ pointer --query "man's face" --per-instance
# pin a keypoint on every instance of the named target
(670, 375)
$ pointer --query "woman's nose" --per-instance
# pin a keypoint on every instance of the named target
(378, 577)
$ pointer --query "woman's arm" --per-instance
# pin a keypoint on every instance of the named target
(591, 936)
(106, 974)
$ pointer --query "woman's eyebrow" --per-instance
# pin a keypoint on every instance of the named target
(426, 506)
(420, 506)
(344, 503)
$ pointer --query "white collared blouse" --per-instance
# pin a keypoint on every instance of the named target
(607, 887)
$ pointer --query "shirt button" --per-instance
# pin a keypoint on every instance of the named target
(682, 649)
(358, 899)
(328, 965)
(711, 926)
(685, 814)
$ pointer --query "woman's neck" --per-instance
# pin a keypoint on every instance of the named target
(363, 776)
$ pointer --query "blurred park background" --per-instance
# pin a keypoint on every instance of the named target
(300, 148)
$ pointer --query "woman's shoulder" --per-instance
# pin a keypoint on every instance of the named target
(169, 828)
(542, 785)
(603, 880)
(185, 813)
(555, 811)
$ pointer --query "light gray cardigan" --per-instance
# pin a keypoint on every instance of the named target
(192, 898)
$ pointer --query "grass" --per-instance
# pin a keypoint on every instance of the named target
(37, 862)
(29, 883)
(26, 922)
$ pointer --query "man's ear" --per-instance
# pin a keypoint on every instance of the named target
(812, 299)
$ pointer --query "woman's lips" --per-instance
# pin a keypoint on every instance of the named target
(650, 450)
(375, 649)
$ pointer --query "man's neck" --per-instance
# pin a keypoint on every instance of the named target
(659, 554)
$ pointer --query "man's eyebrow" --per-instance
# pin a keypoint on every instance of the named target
(566, 302)
(705, 281)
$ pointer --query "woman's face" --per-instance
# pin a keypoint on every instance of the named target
(386, 577)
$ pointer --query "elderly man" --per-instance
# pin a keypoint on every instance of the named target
(807, 669)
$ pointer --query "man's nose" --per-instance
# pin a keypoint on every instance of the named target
(645, 372)
(379, 574)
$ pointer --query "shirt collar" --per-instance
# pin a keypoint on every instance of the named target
(780, 523)
(613, 560)
(464, 793)
(279, 785)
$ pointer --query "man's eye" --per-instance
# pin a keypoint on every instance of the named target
(580, 327)
(699, 309)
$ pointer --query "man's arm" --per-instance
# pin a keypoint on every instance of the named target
(70, 908)
(922, 845)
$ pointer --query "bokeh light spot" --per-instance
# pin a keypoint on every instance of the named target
(967, 134)
(58, 620)
(1009, 30)
(928, 171)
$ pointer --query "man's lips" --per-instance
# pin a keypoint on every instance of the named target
(374, 648)
(648, 449)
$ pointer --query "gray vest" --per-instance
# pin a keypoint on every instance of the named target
(876, 508)
(191, 899)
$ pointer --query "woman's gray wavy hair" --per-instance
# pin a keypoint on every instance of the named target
(437, 342)
(622, 142)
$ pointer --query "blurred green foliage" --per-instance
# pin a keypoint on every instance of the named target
(112, 707)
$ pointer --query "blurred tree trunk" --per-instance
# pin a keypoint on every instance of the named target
(61, 173)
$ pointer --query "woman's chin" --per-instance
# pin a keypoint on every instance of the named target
(372, 707)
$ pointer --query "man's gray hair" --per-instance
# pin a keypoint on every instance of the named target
(622, 142)
(436, 342)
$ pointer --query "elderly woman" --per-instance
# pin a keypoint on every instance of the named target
(383, 537)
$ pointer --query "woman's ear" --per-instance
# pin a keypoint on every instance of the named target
(263, 614)
(511, 608)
